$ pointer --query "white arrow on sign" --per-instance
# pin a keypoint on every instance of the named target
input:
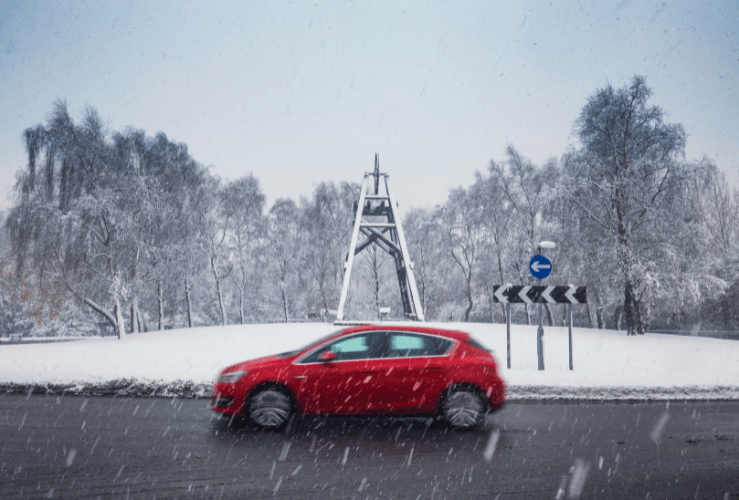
(499, 293)
(536, 266)
(523, 295)
(545, 295)
(570, 294)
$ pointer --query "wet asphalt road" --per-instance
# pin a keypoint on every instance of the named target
(88, 448)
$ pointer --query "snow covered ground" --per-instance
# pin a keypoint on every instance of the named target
(607, 364)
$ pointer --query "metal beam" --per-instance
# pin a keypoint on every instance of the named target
(406, 261)
(387, 235)
(350, 257)
(379, 224)
(388, 242)
(380, 241)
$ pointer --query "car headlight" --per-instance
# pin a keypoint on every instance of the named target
(230, 377)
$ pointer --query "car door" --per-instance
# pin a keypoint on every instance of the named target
(345, 384)
(417, 371)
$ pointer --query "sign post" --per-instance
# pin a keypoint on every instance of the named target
(508, 294)
(569, 330)
(508, 332)
(540, 268)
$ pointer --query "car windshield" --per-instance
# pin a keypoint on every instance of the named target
(308, 346)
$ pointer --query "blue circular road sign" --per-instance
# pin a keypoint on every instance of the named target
(540, 267)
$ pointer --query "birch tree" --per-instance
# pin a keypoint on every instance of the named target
(628, 171)
(285, 249)
(328, 220)
(463, 233)
(242, 205)
(93, 214)
(432, 264)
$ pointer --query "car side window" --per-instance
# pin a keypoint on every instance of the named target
(351, 345)
(364, 346)
(410, 345)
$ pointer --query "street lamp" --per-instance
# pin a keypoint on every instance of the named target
(549, 245)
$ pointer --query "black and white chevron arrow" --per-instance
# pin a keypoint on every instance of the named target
(506, 294)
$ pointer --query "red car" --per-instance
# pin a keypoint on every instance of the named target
(364, 370)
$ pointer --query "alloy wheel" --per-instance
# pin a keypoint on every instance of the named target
(270, 408)
(463, 409)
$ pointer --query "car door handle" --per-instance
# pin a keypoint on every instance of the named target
(301, 376)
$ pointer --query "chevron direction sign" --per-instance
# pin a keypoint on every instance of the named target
(534, 294)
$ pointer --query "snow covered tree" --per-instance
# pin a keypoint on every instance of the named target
(213, 230)
(95, 215)
(498, 214)
(463, 235)
(627, 179)
(526, 188)
(432, 264)
(328, 219)
(242, 205)
(285, 250)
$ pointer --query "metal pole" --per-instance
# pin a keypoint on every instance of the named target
(352, 249)
(540, 330)
(508, 332)
(406, 256)
(540, 335)
(569, 314)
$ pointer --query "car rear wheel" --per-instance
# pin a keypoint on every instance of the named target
(463, 408)
(270, 407)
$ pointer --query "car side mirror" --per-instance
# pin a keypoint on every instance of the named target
(327, 356)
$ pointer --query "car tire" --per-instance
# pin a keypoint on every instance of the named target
(270, 407)
(463, 407)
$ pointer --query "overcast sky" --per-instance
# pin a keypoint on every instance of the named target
(303, 92)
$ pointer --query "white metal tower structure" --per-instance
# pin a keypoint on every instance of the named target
(378, 221)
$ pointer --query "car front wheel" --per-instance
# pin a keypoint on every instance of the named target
(270, 408)
(463, 408)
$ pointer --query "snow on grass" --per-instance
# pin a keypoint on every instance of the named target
(607, 364)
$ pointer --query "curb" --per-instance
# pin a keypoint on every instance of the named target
(190, 389)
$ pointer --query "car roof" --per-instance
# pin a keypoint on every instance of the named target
(411, 328)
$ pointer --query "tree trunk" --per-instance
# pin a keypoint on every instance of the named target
(160, 299)
(120, 324)
(189, 303)
(528, 314)
(599, 314)
(590, 314)
(136, 326)
(377, 296)
(631, 311)
(639, 322)
(469, 309)
(325, 300)
(112, 318)
(491, 306)
(241, 305)
(219, 290)
(470, 303)
(284, 305)
(550, 318)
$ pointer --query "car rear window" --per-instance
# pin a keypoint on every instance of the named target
(409, 344)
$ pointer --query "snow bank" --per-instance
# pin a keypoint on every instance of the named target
(607, 364)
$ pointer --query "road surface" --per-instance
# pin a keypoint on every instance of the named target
(87, 448)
